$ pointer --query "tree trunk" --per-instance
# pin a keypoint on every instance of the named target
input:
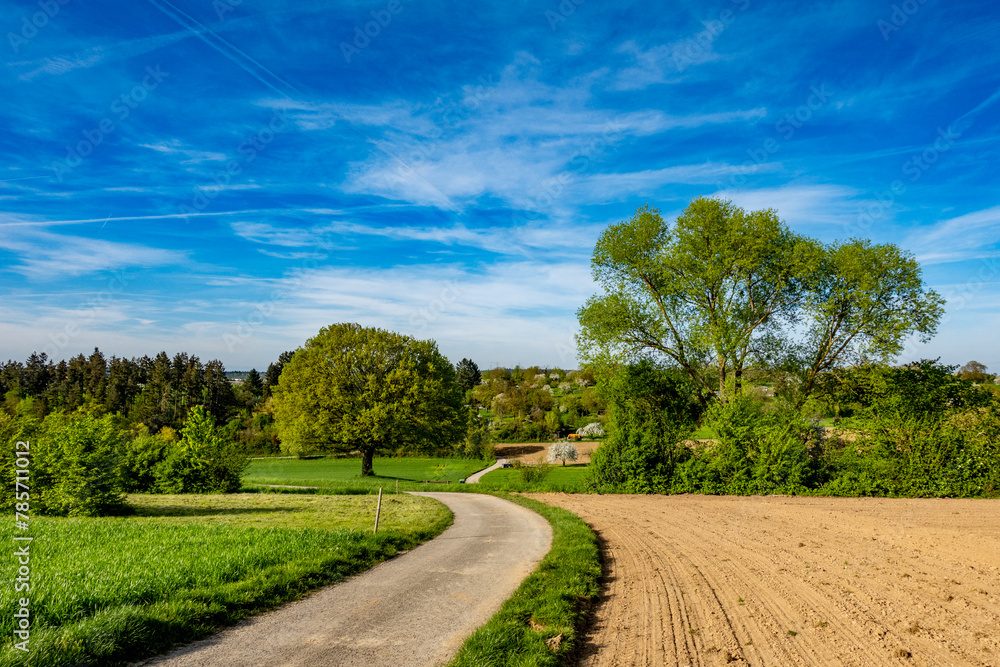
(366, 462)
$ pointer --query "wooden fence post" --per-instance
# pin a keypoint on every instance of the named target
(378, 510)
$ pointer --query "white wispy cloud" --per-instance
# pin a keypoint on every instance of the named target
(504, 139)
(526, 239)
(45, 255)
(95, 55)
(974, 235)
(803, 204)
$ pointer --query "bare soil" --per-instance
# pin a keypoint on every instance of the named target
(533, 452)
(702, 580)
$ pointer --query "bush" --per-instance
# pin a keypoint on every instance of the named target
(757, 452)
(561, 451)
(593, 430)
(652, 410)
(204, 461)
(532, 473)
(75, 467)
(478, 444)
(921, 457)
(140, 460)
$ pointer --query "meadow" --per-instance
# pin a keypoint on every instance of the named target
(344, 475)
(566, 479)
(115, 589)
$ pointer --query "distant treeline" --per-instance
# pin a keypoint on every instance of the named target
(155, 391)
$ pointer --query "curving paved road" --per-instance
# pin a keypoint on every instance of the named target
(475, 477)
(415, 609)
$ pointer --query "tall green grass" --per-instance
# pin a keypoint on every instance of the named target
(112, 590)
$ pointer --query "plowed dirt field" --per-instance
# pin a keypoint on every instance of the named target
(701, 580)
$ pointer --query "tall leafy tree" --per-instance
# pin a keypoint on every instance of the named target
(974, 372)
(357, 389)
(705, 292)
(863, 301)
(722, 288)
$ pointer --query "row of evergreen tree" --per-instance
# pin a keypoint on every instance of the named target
(156, 391)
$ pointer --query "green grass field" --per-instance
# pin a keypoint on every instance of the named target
(568, 479)
(111, 590)
(344, 475)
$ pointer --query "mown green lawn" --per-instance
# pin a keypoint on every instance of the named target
(568, 478)
(112, 590)
(344, 475)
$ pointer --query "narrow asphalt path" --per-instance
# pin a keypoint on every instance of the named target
(415, 609)
(475, 477)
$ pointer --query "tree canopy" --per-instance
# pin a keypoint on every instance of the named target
(974, 372)
(468, 374)
(357, 389)
(723, 288)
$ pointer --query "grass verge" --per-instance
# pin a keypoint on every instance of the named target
(541, 623)
(113, 590)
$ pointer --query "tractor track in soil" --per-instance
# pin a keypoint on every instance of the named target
(705, 580)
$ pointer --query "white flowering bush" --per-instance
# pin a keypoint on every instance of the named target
(594, 430)
(562, 451)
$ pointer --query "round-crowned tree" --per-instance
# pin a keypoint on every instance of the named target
(367, 390)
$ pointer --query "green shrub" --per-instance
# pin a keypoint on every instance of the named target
(756, 452)
(204, 460)
(652, 411)
(74, 468)
(478, 444)
(927, 456)
(140, 458)
(532, 473)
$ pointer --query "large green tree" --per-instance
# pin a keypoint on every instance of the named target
(861, 304)
(357, 389)
(723, 288)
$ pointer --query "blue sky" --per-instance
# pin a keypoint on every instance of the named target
(227, 177)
